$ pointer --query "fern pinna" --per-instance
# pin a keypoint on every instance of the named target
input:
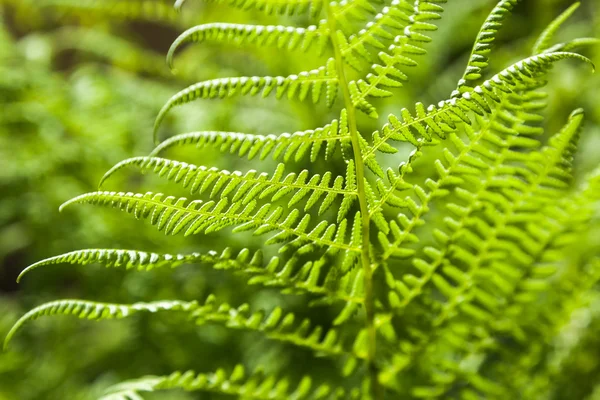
(448, 285)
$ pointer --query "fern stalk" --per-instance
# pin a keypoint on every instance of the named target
(375, 388)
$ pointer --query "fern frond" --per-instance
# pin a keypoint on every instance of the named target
(392, 19)
(524, 286)
(442, 119)
(125, 9)
(405, 46)
(543, 41)
(285, 146)
(396, 22)
(173, 216)
(289, 7)
(571, 302)
(249, 186)
(276, 325)
(574, 44)
(258, 386)
(277, 36)
(478, 60)
(307, 278)
(346, 12)
(479, 239)
(315, 82)
(557, 157)
(120, 258)
(555, 297)
(96, 311)
(494, 240)
(503, 129)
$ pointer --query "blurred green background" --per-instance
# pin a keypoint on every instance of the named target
(80, 85)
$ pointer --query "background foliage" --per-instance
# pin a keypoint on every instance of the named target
(80, 85)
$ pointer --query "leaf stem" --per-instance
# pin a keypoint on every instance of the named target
(375, 389)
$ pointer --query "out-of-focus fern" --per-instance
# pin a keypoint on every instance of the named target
(157, 10)
(447, 284)
(81, 100)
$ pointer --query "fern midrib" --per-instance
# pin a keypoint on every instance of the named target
(375, 388)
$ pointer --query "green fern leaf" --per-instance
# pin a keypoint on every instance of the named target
(289, 7)
(276, 325)
(445, 117)
(278, 36)
(478, 61)
(573, 44)
(96, 311)
(117, 258)
(257, 386)
(482, 236)
(247, 187)
(298, 145)
(387, 25)
(124, 9)
(509, 248)
(309, 278)
(173, 216)
(405, 46)
(294, 85)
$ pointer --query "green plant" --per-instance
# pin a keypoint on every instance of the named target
(450, 274)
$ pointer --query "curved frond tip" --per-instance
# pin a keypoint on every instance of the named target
(277, 36)
(317, 82)
(323, 141)
(95, 311)
(128, 259)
